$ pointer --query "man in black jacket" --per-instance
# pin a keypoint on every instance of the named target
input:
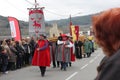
(78, 49)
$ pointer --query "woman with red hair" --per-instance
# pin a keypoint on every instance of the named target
(106, 27)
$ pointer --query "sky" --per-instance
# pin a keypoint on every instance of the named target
(56, 9)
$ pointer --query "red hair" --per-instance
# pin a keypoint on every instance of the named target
(106, 27)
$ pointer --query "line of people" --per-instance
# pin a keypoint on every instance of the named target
(60, 52)
(15, 54)
(84, 49)
(43, 52)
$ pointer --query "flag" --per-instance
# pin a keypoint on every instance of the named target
(15, 29)
(75, 32)
(36, 22)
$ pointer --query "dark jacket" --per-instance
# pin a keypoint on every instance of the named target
(4, 57)
(13, 54)
(78, 44)
(111, 68)
(26, 48)
(0, 58)
(32, 45)
(20, 50)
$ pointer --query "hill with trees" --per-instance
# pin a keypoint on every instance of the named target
(83, 21)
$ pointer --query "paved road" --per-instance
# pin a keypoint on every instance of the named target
(83, 69)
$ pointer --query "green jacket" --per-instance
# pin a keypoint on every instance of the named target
(87, 46)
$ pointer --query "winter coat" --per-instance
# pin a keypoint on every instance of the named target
(110, 70)
(4, 57)
(87, 46)
(13, 55)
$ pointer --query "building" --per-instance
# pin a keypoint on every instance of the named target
(55, 30)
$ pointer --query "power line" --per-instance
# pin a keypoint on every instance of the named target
(23, 12)
(29, 2)
(14, 6)
(52, 11)
(56, 13)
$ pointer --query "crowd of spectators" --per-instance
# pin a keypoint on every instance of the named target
(15, 54)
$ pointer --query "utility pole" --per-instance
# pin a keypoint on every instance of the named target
(70, 24)
(35, 3)
(36, 6)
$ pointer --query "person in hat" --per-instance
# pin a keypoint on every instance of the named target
(41, 56)
(64, 51)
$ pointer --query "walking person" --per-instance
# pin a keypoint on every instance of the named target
(78, 49)
(72, 51)
(64, 51)
(41, 56)
(106, 27)
(53, 50)
(87, 47)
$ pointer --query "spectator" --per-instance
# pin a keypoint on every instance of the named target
(4, 57)
(106, 27)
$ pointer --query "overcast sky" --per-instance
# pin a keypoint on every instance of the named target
(55, 9)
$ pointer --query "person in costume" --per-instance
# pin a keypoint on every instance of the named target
(64, 51)
(78, 49)
(53, 44)
(72, 51)
(87, 47)
(41, 56)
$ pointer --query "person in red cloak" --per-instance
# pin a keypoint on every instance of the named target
(41, 56)
(72, 51)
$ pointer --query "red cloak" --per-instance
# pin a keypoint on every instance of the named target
(72, 54)
(41, 57)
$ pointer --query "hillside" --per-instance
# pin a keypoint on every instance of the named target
(79, 20)
(83, 21)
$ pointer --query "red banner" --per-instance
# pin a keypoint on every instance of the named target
(36, 22)
(15, 29)
(75, 32)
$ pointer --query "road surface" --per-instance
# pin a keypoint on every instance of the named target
(82, 69)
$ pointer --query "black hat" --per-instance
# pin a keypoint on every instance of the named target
(43, 35)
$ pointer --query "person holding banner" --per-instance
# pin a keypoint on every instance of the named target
(41, 56)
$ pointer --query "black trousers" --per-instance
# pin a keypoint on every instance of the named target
(42, 69)
(78, 53)
(88, 54)
(11, 66)
(19, 62)
(54, 63)
(4, 68)
(27, 55)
